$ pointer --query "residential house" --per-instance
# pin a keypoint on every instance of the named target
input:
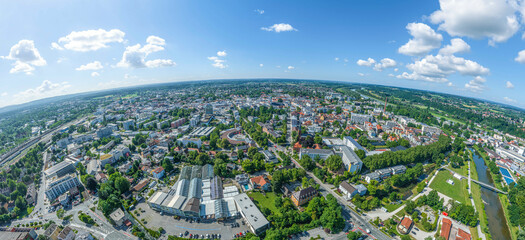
(303, 196)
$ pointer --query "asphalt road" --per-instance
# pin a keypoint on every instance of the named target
(348, 213)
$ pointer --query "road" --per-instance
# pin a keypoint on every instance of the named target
(348, 213)
(101, 231)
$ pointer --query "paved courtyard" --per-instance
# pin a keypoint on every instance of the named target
(173, 226)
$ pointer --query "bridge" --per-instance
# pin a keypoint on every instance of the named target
(478, 182)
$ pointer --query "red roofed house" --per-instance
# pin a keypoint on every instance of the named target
(446, 225)
(405, 225)
(462, 235)
(260, 182)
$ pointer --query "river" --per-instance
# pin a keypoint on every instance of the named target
(496, 219)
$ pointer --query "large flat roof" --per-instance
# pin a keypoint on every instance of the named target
(252, 214)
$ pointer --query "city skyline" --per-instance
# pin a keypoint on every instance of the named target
(438, 46)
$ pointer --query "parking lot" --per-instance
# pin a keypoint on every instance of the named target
(174, 227)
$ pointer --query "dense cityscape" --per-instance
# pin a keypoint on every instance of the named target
(261, 159)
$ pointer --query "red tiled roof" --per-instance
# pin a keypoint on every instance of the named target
(446, 225)
(259, 180)
(406, 222)
(462, 235)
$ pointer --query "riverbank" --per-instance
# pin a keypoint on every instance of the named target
(476, 196)
(503, 199)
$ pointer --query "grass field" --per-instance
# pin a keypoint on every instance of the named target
(463, 170)
(267, 201)
(457, 191)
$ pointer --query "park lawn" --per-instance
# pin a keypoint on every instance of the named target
(474, 232)
(267, 201)
(463, 170)
(391, 207)
(458, 191)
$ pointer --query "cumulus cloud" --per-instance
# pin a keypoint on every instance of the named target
(3, 94)
(424, 39)
(221, 53)
(385, 63)
(521, 57)
(476, 84)
(508, 84)
(95, 74)
(135, 56)
(457, 45)
(361, 74)
(336, 59)
(366, 63)
(437, 68)
(26, 57)
(261, 65)
(218, 63)
(259, 11)
(279, 27)
(46, 89)
(89, 40)
(494, 19)
(291, 67)
(378, 66)
(96, 65)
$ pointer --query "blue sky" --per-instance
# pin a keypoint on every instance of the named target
(470, 48)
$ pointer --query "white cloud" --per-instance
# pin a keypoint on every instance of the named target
(22, 67)
(450, 84)
(521, 57)
(366, 63)
(3, 94)
(221, 53)
(345, 60)
(457, 45)
(279, 27)
(508, 84)
(437, 68)
(26, 57)
(396, 69)
(154, 40)
(95, 74)
(495, 19)
(378, 66)
(46, 89)
(361, 74)
(385, 63)
(424, 39)
(218, 62)
(160, 63)
(55, 45)
(261, 65)
(476, 84)
(510, 100)
(134, 56)
(259, 11)
(89, 40)
(336, 59)
(291, 67)
(96, 65)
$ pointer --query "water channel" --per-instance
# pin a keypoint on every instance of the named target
(496, 219)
